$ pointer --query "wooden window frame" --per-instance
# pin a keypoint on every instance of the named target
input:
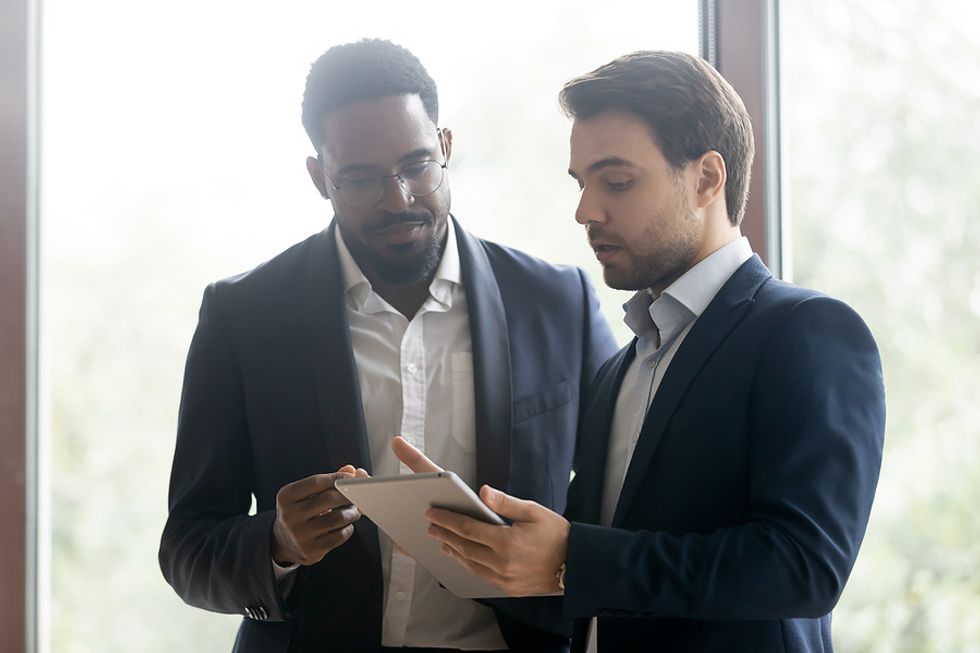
(741, 39)
(18, 326)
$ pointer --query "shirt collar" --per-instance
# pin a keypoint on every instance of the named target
(685, 299)
(360, 295)
(699, 285)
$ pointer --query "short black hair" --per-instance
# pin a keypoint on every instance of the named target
(689, 107)
(365, 70)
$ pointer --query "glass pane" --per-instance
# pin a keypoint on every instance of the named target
(881, 143)
(173, 155)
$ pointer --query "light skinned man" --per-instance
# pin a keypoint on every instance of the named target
(729, 455)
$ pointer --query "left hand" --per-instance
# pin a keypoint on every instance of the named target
(520, 559)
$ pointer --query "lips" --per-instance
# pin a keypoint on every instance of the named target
(604, 250)
(400, 232)
(606, 253)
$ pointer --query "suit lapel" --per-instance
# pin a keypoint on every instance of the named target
(337, 389)
(719, 318)
(591, 470)
(491, 362)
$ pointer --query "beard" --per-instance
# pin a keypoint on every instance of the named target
(414, 269)
(655, 259)
(397, 268)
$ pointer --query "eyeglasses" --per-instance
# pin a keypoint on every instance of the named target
(420, 179)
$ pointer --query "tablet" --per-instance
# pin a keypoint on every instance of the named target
(397, 504)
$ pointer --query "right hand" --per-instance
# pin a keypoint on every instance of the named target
(411, 457)
(312, 518)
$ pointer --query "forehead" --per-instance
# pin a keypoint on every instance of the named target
(377, 132)
(612, 134)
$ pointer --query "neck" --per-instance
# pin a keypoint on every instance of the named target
(711, 244)
(407, 298)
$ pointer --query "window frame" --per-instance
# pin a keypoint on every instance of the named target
(18, 324)
(740, 38)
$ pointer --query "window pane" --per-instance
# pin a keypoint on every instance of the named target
(881, 149)
(172, 156)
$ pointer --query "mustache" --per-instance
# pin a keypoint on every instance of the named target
(594, 233)
(387, 219)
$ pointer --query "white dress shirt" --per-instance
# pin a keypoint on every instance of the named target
(416, 380)
(660, 325)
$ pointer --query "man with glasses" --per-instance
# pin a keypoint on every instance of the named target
(393, 320)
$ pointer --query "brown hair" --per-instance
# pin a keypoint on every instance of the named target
(688, 105)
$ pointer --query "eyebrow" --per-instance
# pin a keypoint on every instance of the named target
(608, 162)
(364, 167)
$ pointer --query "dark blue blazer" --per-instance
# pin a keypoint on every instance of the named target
(271, 396)
(749, 490)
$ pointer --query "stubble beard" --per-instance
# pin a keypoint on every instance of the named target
(404, 271)
(658, 265)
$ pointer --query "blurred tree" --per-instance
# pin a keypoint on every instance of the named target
(882, 149)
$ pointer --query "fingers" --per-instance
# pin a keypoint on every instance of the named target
(337, 518)
(465, 527)
(414, 459)
(330, 540)
(321, 503)
(464, 548)
(510, 507)
(480, 570)
(312, 485)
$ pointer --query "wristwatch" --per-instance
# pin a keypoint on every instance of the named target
(560, 575)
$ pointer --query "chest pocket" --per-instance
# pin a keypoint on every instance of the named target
(464, 403)
(550, 398)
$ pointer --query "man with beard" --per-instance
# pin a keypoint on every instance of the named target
(393, 320)
(729, 454)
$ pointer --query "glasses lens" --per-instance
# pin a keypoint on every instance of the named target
(361, 191)
(419, 179)
(422, 178)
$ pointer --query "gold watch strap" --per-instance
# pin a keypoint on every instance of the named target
(560, 575)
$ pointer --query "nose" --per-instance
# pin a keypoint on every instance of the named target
(589, 209)
(395, 197)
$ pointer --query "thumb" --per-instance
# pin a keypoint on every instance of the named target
(346, 469)
(507, 506)
(414, 459)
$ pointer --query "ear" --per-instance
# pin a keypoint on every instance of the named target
(712, 174)
(447, 143)
(316, 174)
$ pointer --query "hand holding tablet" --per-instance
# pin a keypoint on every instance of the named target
(398, 504)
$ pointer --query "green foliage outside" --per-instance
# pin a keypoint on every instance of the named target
(882, 150)
(880, 138)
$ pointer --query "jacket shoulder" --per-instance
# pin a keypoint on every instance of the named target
(532, 273)
(279, 276)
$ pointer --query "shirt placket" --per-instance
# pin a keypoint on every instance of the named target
(401, 578)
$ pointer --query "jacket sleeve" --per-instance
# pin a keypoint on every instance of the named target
(214, 554)
(598, 343)
(816, 433)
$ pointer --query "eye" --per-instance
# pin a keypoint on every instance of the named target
(416, 170)
(617, 185)
(361, 183)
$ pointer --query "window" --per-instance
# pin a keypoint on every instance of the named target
(880, 149)
(172, 156)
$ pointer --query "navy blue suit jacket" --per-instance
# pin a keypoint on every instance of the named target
(748, 493)
(271, 396)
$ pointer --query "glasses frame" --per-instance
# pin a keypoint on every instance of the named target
(402, 183)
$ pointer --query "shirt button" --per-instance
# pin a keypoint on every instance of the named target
(412, 368)
(635, 436)
(400, 595)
